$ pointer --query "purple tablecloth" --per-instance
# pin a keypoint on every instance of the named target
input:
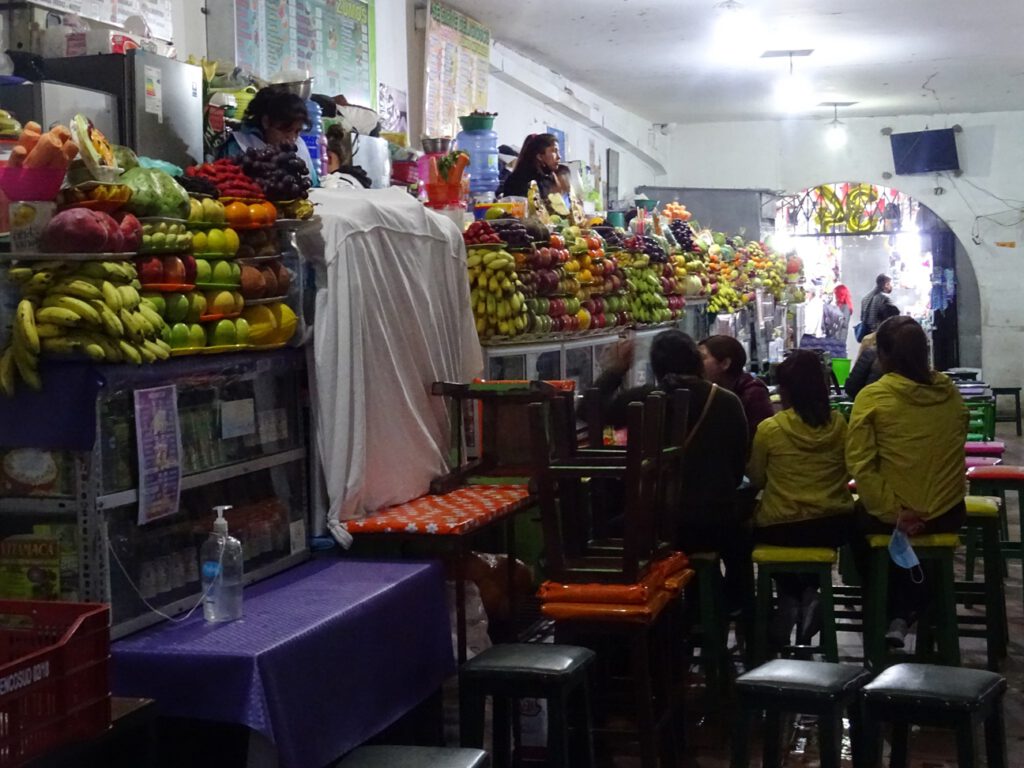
(327, 655)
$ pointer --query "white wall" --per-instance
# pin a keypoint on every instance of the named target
(791, 155)
(529, 97)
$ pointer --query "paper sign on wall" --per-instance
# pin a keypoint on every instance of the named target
(158, 440)
(237, 418)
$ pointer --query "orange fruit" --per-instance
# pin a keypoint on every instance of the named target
(271, 211)
(258, 215)
(237, 214)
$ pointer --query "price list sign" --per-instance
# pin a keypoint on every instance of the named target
(458, 67)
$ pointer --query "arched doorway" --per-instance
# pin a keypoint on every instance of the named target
(848, 233)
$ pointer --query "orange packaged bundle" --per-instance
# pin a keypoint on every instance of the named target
(35, 149)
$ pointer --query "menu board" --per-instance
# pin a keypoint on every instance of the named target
(333, 39)
(157, 13)
(458, 68)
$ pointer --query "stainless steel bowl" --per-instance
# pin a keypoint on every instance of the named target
(435, 146)
(301, 88)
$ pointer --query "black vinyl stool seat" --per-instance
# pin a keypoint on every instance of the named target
(507, 673)
(791, 686)
(939, 696)
(415, 757)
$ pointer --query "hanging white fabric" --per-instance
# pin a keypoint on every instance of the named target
(392, 317)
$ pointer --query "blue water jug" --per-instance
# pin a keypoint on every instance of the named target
(482, 148)
(312, 135)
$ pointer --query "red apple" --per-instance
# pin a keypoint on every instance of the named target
(174, 270)
(150, 269)
(189, 262)
(131, 233)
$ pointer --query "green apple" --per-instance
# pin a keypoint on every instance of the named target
(221, 333)
(204, 273)
(236, 273)
(222, 272)
(195, 210)
(177, 307)
(196, 306)
(196, 336)
(157, 301)
(213, 211)
(242, 330)
(179, 336)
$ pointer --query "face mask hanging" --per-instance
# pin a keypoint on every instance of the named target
(904, 555)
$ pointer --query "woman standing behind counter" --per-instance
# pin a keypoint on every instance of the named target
(538, 161)
(273, 117)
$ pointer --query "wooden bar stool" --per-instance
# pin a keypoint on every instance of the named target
(935, 551)
(771, 560)
(508, 673)
(1013, 392)
(983, 522)
(714, 628)
(999, 481)
(799, 687)
(958, 699)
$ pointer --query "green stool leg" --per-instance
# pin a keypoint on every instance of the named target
(829, 641)
(945, 606)
(876, 600)
(996, 626)
(765, 601)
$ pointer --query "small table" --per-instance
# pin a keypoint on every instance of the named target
(1013, 392)
(327, 655)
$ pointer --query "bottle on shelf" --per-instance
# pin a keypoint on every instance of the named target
(222, 565)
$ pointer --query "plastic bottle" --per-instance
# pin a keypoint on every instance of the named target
(313, 136)
(222, 562)
(482, 148)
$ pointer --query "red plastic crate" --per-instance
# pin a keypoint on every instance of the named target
(54, 686)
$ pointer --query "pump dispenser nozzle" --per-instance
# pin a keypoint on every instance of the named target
(220, 525)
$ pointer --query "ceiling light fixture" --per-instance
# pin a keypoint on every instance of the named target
(736, 34)
(835, 136)
(793, 93)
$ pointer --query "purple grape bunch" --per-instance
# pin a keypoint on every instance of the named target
(280, 172)
(683, 233)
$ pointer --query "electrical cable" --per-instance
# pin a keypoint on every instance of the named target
(153, 608)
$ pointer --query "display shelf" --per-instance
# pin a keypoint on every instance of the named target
(199, 479)
(31, 505)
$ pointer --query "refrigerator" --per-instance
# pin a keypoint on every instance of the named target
(160, 100)
(48, 103)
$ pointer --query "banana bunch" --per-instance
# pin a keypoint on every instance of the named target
(90, 308)
(726, 300)
(647, 302)
(499, 306)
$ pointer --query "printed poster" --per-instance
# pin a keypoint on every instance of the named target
(333, 39)
(158, 437)
(393, 107)
(458, 69)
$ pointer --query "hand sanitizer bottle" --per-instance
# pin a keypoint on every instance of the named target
(222, 560)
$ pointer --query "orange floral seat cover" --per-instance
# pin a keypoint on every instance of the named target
(457, 513)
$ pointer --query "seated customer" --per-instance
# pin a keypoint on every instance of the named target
(867, 369)
(724, 360)
(715, 454)
(798, 458)
(905, 449)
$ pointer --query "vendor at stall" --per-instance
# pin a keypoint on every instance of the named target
(274, 116)
(538, 161)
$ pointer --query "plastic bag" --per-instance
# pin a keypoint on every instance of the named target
(477, 639)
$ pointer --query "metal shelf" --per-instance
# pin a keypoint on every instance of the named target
(34, 505)
(131, 496)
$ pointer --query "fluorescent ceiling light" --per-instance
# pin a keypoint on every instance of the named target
(793, 93)
(835, 136)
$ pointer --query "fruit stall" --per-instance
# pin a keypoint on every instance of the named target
(146, 313)
(548, 296)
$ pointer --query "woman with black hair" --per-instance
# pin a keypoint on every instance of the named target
(905, 449)
(715, 453)
(724, 363)
(538, 161)
(274, 117)
(798, 458)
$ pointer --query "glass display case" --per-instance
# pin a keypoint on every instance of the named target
(70, 526)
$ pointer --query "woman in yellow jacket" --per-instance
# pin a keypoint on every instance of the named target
(905, 449)
(798, 460)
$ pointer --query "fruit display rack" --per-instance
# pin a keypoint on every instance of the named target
(85, 503)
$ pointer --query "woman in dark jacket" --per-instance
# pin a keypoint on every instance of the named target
(724, 359)
(867, 369)
(538, 161)
(715, 457)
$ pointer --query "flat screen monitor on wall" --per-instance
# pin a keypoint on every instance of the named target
(925, 151)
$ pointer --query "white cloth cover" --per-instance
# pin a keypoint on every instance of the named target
(392, 317)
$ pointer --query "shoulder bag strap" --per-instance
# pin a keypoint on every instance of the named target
(703, 415)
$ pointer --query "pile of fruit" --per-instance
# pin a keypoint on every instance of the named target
(229, 179)
(162, 236)
(90, 309)
(512, 232)
(479, 233)
(676, 212)
(496, 296)
(279, 171)
(81, 230)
